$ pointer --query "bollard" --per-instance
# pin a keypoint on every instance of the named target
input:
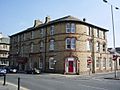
(4, 80)
(18, 83)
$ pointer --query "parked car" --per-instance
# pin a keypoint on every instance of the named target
(11, 69)
(3, 71)
(33, 71)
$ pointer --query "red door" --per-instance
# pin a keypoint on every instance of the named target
(70, 66)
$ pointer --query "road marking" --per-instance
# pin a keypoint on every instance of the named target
(93, 87)
(22, 88)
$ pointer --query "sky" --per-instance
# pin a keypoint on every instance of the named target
(18, 15)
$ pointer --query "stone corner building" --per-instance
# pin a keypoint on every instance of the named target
(4, 50)
(64, 45)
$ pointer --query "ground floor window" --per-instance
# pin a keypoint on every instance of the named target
(52, 63)
(110, 62)
(40, 63)
(104, 62)
(97, 62)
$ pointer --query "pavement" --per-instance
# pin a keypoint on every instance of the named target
(10, 86)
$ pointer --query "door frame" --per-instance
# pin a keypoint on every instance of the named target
(67, 64)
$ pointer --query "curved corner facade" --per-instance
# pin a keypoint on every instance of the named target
(66, 45)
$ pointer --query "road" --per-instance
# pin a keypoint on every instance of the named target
(61, 82)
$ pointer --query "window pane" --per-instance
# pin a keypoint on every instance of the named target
(98, 47)
(73, 43)
(97, 62)
(97, 33)
(41, 45)
(51, 63)
(52, 30)
(88, 45)
(72, 28)
(51, 45)
(68, 28)
(104, 47)
(103, 35)
(32, 34)
(31, 48)
(68, 43)
(104, 62)
(41, 32)
(110, 62)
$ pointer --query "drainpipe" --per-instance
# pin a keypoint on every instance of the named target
(93, 53)
(45, 49)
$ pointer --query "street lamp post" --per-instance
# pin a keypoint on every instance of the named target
(115, 66)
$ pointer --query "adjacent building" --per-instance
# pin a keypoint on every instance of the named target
(4, 50)
(66, 45)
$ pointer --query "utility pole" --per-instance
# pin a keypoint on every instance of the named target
(113, 28)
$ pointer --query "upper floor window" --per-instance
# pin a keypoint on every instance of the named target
(18, 38)
(52, 30)
(89, 45)
(32, 34)
(31, 47)
(41, 45)
(70, 28)
(97, 33)
(4, 46)
(89, 31)
(98, 46)
(52, 44)
(104, 47)
(42, 32)
(103, 35)
(70, 43)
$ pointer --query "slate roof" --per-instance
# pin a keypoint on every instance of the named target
(63, 19)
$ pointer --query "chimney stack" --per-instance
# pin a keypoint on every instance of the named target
(37, 23)
(47, 19)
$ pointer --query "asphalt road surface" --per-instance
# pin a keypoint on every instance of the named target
(61, 82)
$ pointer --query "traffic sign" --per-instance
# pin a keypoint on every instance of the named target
(114, 57)
(89, 60)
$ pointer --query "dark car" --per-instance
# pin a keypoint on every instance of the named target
(33, 71)
(11, 69)
(3, 71)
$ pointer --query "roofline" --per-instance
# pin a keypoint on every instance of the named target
(57, 21)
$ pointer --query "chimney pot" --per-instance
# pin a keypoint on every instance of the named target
(84, 19)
